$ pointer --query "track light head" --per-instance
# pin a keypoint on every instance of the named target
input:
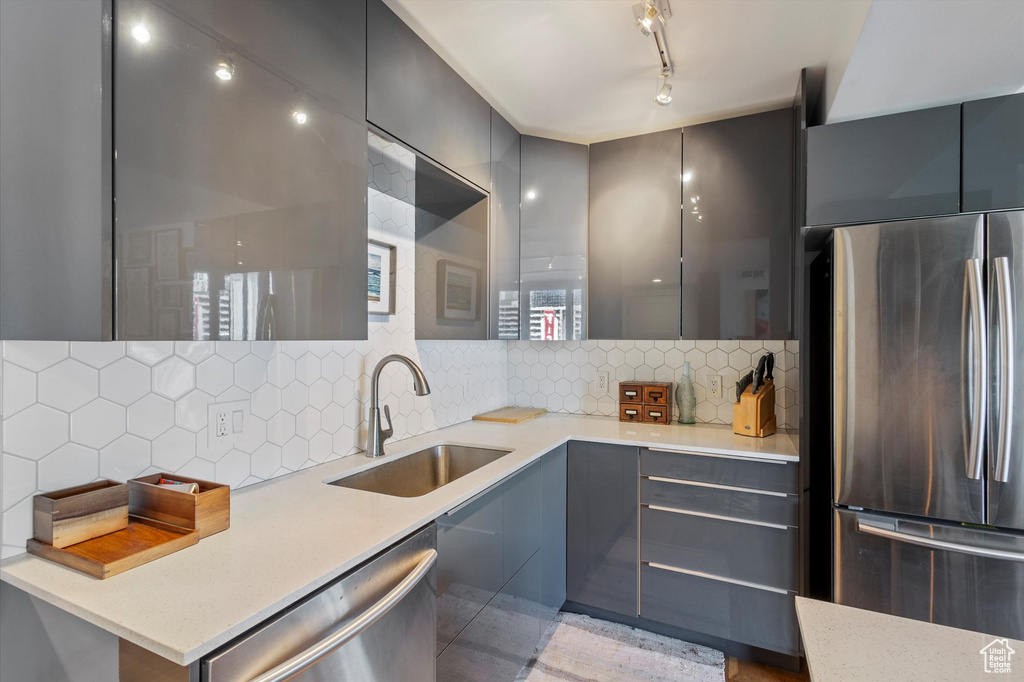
(664, 96)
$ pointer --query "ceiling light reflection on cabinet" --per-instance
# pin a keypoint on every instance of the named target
(140, 33)
(687, 177)
(299, 116)
(531, 195)
(225, 70)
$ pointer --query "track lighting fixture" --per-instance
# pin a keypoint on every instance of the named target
(650, 15)
(664, 96)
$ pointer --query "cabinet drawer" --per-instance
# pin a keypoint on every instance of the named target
(631, 393)
(631, 413)
(731, 549)
(709, 498)
(656, 395)
(655, 414)
(739, 613)
(739, 472)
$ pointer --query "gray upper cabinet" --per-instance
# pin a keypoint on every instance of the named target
(635, 237)
(55, 163)
(738, 227)
(413, 95)
(504, 230)
(553, 240)
(240, 176)
(993, 153)
(900, 166)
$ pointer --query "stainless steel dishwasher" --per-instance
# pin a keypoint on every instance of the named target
(378, 622)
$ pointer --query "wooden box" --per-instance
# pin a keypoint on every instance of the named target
(66, 517)
(631, 413)
(631, 393)
(754, 414)
(208, 511)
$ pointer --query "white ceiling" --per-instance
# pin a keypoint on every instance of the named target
(917, 53)
(580, 71)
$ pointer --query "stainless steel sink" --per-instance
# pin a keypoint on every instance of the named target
(419, 473)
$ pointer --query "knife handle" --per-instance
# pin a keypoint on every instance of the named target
(769, 366)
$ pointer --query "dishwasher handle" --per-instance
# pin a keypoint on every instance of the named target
(311, 656)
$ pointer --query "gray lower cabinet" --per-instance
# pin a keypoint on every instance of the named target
(634, 280)
(501, 573)
(719, 547)
(414, 95)
(883, 168)
(993, 154)
(601, 527)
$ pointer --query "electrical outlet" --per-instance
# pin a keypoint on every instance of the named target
(601, 384)
(715, 386)
(228, 423)
(467, 385)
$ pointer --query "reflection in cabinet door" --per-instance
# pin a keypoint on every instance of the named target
(240, 171)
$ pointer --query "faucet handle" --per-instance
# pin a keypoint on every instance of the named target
(387, 433)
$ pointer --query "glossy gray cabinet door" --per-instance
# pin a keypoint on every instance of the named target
(553, 235)
(738, 227)
(240, 177)
(470, 563)
(55, 163)
(522, 517)
(505, 153)
(993, 153)
(415, 96)
(900, 166)
(602, 530)
(635, 233)
(553, 528)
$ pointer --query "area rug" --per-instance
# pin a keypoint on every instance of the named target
(577, 648)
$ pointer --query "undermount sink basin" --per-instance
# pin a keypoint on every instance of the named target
(419, 473)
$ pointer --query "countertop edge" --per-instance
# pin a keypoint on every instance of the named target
(186, 656)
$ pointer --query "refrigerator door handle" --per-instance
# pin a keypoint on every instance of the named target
(974, 342)
(889, 532)
(1005, 374)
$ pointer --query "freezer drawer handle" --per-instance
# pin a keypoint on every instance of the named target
(311, 656)
(974, 343)
(1006, 376)
(932, 543)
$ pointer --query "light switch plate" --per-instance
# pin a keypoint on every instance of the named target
(228, 423)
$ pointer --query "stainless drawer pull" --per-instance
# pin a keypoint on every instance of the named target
(759, 460)
(709, 576)
(716, 486)
(311, 656)
(717, 517)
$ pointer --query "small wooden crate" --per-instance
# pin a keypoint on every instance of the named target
(208, 511)
(66, 517)
(648, 402)
(754, 414)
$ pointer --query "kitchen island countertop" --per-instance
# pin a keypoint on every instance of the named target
(294, 534)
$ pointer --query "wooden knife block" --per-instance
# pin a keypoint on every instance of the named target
(754, 414)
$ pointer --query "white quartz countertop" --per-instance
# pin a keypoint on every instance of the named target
(844, 644)
(293, 534)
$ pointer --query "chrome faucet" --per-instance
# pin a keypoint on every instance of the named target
(378, 434)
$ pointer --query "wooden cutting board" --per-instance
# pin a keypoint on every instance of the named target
(510, 415)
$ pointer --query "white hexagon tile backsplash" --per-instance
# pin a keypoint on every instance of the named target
(71, 412)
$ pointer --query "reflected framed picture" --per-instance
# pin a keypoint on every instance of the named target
(137, 304)
(168, 254)
(137, 249)
(458, 291)
(380, 277)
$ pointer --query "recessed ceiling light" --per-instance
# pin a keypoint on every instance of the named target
(140, 33)
(300, 117)
(687, 177)
(225, 70)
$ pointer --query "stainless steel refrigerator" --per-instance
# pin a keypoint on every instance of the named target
(928, 420)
